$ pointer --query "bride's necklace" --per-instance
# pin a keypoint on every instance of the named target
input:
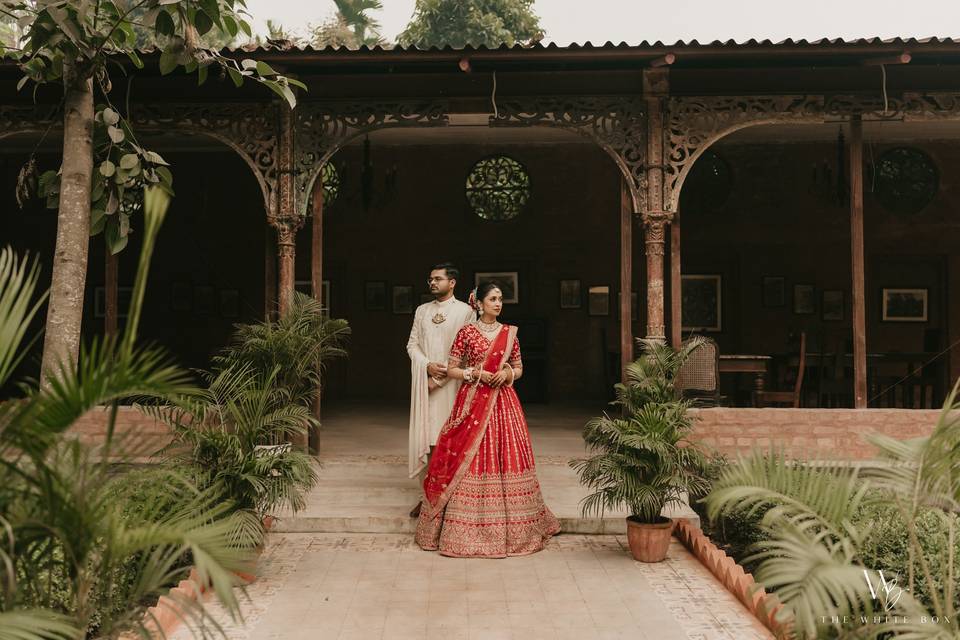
(488, 327)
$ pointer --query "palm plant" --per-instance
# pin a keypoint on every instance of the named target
(292, 351)
(80, 556)
(224, 434)
(819, 523)
(643, 459)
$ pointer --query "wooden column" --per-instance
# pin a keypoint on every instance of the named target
(270, 274)
(676, 319)
(654, 227)
(286, 255)
(656, 87)
(316, 282)
(857, 264)
(316, 240)
(626, 279)
(110, 291)
(288, 220)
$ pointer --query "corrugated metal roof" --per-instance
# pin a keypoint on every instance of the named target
(284, 46)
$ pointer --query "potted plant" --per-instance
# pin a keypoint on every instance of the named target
(641, 456)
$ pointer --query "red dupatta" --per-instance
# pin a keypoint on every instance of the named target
(461, 436)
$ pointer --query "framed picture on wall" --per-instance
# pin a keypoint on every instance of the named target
(570, 297)
(508, 281)
(402, 298)
(905, 305)
(375, 296)
(701, 302)
(598, 300)
(774, 294)
(804, 302)
(832, 309)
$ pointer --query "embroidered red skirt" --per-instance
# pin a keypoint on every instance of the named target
(493, 508)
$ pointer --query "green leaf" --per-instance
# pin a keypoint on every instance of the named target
(98, 220)
(135, 59)
(168, 62)
(296, 83)
(231, 26)
(202, 75)
(248, 64)
(115, 241)
(202, 22)
(264, 69)
(283, 91)
(164, 24)
(236, 76)
(166, 176)
(22, 82)
(116, 134)
(155, 158)
(110, 117)
(107, 168)
(129, 161)
(211, 8)
(246, 28)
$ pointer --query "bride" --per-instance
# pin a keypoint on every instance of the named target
(481, 494)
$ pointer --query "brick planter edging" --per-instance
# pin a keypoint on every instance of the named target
(765, 606)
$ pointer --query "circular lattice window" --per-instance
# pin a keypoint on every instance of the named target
(498, 188)
(331, 185)
(906, 180)
(708, 185)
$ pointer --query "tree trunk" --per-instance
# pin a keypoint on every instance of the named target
(61, 344)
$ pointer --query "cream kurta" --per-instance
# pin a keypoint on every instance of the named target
(430, 342)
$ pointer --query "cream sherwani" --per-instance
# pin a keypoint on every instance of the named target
(430, 341)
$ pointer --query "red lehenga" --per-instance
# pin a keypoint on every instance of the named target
(481, 494)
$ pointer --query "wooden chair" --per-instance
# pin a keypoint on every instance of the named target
(834, 389)
(789, 398)
(699, 377)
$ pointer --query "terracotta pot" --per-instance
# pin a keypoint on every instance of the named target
(649, 542)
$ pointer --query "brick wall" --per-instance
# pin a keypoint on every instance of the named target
(137, 436)
(825, 433)
(831, 433)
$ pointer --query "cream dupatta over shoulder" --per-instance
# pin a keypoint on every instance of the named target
(430, 341)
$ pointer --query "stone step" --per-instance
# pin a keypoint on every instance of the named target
(357, 494)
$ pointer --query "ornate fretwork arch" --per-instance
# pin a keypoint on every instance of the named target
(321, 129)
(695, 123)
(617, 125)
(249, 129)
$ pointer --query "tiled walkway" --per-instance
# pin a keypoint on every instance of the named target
(369, 586)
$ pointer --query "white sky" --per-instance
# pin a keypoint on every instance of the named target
(632, 21)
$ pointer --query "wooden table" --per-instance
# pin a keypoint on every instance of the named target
(746, 363)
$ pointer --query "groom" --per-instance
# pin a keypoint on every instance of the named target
(432, 393)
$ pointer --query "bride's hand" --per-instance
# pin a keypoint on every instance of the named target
(486, 377)
(499, 378)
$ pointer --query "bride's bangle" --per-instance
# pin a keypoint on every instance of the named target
(468, 374)
(513, 376)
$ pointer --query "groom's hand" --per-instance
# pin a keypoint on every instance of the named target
(437, 370)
